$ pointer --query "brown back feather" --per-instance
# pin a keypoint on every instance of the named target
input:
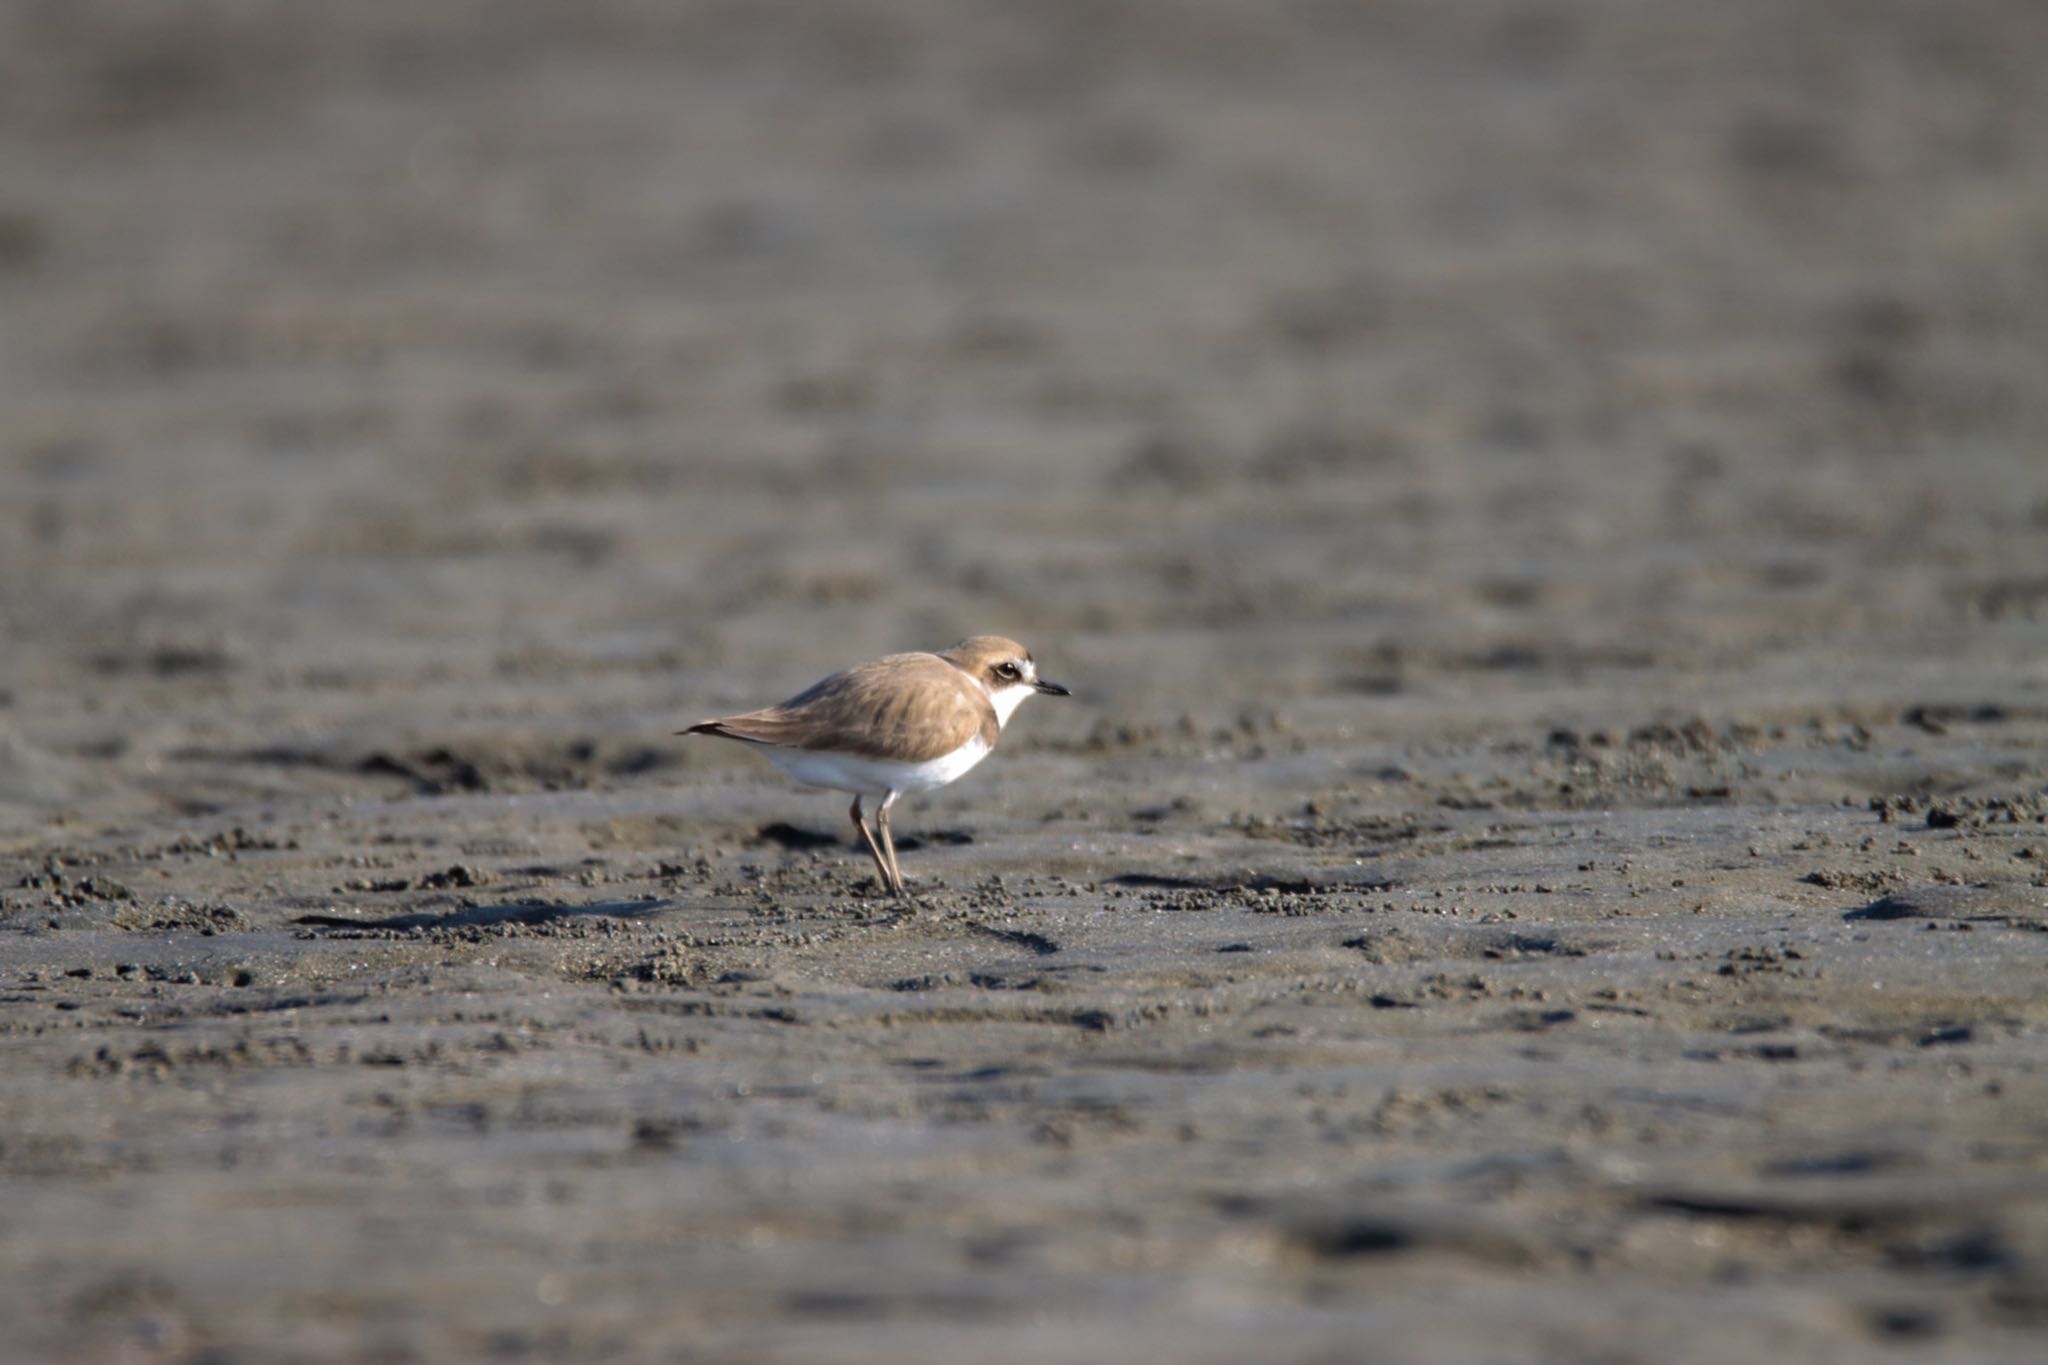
(868, 711)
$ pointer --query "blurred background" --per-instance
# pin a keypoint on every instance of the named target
(1543, 505)
(548, 372)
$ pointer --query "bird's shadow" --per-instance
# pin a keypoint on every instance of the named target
(798, 839)
(482, 916)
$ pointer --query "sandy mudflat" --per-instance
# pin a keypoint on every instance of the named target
(1544, 509)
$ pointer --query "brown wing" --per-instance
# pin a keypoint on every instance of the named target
(909, 706)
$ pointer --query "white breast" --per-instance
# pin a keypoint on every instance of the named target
(876, 776)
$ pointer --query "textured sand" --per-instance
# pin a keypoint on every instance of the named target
(1544, 510)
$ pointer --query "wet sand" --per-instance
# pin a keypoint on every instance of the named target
(1542, 509)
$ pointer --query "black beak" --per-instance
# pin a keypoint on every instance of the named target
(1051, 689)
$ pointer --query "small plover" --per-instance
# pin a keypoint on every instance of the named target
(904, 723)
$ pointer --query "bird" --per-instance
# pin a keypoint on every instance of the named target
(901, 723)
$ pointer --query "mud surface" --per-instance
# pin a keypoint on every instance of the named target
(1542, 509)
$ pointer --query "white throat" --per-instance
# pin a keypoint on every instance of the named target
(1006, 700)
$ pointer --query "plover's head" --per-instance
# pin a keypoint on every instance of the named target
(1005, 668)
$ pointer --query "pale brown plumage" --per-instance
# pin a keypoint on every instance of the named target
(912, 707)
(908, 722)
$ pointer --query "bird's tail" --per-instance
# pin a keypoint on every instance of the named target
(719, 728)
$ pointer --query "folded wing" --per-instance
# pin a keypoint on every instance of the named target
(911, 707)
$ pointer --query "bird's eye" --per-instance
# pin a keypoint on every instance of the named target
(1006, 670)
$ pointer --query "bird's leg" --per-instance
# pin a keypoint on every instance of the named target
(889, 840)
(874, 850)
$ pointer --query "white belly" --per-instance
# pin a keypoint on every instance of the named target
(875, 776)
